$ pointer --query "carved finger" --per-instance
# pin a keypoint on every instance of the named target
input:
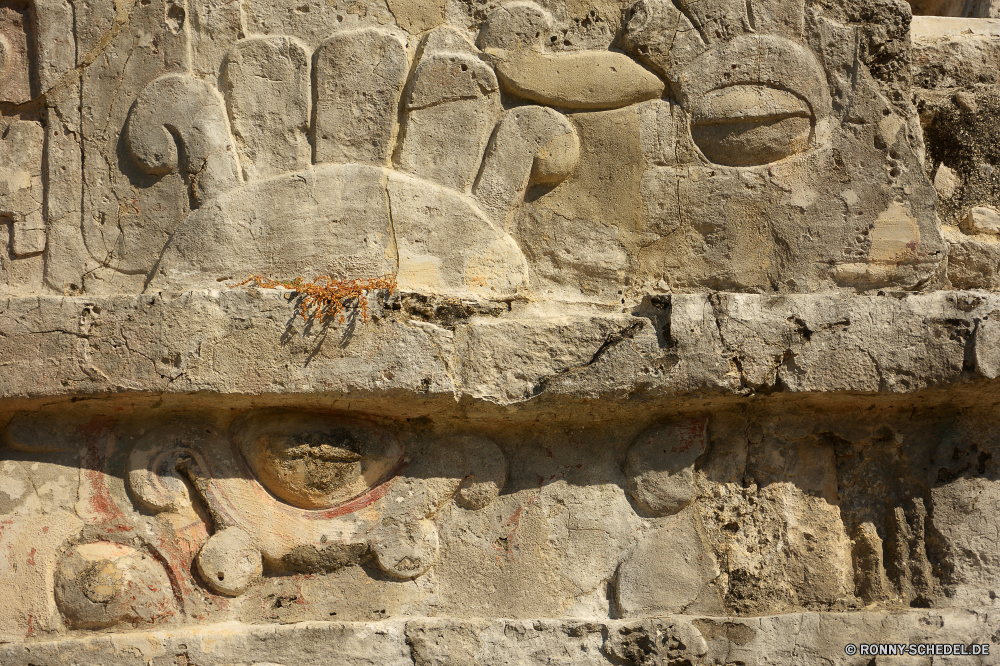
(358, 79)
(268, 95)
(451, 109)
(532, 143)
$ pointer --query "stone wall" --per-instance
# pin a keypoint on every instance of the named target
(446, 332)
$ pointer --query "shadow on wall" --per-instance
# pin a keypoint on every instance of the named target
(142, 517)
(964, 8)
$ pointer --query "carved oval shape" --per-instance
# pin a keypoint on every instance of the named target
(751, 125)
(315, 461)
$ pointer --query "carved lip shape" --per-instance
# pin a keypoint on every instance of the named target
(751, 125)
(316, 462)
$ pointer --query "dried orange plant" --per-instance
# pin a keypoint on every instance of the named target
(326, 297)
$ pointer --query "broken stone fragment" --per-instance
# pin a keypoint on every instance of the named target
(967, 101)
(946, 181)
(981, 220)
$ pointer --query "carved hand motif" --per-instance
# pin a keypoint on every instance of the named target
(298, 491)
(462, 164)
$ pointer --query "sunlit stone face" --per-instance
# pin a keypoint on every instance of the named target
(782, 161)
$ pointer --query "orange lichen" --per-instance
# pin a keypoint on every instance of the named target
(325, 297)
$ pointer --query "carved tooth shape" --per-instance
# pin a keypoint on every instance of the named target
(751, 125)
(177, 109)
(268, 95)
(453, 106)
(359, 77)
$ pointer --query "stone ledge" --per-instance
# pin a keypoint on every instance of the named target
(249, 342)
(777, 639)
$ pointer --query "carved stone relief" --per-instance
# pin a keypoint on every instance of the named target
(646, 378)
(139, 519)
(456, 157)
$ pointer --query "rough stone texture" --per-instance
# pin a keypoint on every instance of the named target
(785, 639)
(678, 341)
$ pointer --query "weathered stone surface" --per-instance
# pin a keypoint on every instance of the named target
(358, 78)
(269, 94)
(250, 341)
(781, 639)
(612, 332)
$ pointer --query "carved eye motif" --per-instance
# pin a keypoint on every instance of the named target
(751, 125)
(317, 462)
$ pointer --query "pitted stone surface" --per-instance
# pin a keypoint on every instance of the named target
(423, 332)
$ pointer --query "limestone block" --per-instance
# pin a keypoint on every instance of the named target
(21, 188)
(973, 262)
(268, 95)
(29, 235)
(515, 26)
(870, 581)
(946, 181)
(358, 77)
(580, 80)
(670, 571)
(987, 348)
(15, 27)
